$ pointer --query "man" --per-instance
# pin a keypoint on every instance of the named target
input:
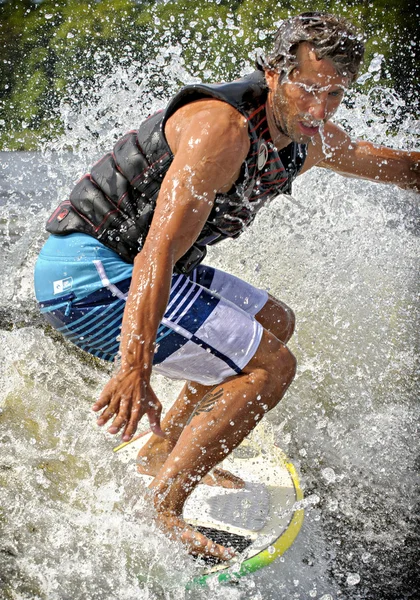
(190, 177)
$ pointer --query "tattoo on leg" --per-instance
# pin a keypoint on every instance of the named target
(206, 403)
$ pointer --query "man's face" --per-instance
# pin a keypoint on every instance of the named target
(302, 102)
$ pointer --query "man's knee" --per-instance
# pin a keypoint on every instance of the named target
(290, 320)
(274, 362)
(284, 371)
(278, 318)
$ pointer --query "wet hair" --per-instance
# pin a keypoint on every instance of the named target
(332, 37)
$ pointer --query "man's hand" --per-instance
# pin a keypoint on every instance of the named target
(127, 398)
(414, 180)
(365, 160)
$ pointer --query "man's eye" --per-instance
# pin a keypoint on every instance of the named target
(336, 93)
(309, 89)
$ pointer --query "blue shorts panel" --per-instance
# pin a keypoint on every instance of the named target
(207, 333)
(66, 264)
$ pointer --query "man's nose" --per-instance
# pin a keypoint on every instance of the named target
(318, 109)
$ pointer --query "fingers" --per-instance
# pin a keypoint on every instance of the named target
(154, 419)
(414, 183)
(156, 428)
(131, 421)
(120, 419)
(116, 399)
(104, 398)
(126, 408)
(126, 412)
(109, 401)
(153, 414)
(153, 409)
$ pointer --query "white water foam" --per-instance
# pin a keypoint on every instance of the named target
(343, 253)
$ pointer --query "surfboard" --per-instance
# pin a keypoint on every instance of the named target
(260, 521)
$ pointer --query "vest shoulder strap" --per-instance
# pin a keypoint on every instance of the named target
(243, 94)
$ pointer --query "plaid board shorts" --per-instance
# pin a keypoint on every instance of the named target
(208, 331)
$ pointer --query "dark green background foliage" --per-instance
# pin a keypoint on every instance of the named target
(53, 49)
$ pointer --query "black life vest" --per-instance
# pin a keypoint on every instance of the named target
(116, 201)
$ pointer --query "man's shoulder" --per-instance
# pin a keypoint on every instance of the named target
(242, 94)
(219, 123)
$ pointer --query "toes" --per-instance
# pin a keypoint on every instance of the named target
(200, 545)
(223, 479)
(196, 543)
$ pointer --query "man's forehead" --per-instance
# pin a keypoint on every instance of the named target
(310, 70)
(310, 86)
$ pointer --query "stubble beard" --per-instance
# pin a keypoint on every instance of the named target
(288, 124)
(283, 123)
(279, 106)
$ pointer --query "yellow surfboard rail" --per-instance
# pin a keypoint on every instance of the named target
(268, 555)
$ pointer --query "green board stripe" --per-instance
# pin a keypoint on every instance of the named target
(265, 557)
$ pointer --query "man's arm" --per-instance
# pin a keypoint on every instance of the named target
(210, 141)
(357, 158)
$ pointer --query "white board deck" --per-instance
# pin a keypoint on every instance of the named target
(262, 511)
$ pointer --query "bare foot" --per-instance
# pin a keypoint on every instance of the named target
(150, 461)
(196, 543)
(225, 479)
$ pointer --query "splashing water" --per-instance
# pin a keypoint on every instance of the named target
(75, 523)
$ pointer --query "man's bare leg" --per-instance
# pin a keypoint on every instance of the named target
(225, 416)
(276, 317)
(153, 455)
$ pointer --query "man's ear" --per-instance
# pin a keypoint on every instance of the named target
(272, 78)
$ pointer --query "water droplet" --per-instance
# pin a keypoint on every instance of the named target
(332, 504)
(353, 579)
(328, 474)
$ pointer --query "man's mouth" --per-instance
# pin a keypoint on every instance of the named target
(308, 128)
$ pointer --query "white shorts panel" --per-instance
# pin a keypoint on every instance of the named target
(230, 332)
(241, 293)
